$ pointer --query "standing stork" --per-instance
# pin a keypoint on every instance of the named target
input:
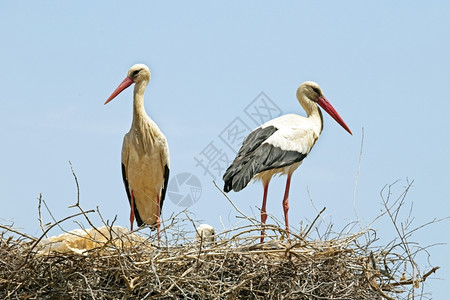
(279, 147)
(145, 155)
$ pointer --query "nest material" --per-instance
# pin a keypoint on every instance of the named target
(234, 266)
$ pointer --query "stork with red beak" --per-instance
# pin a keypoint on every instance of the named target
(145, 156)
(279, 147)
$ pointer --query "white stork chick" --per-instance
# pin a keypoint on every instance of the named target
(206, 234)
(145, 155)
(279, 147)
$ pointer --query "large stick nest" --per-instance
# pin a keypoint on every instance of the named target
(120, 264)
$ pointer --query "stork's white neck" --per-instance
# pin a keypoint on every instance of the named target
(313, 112)
(138, 101)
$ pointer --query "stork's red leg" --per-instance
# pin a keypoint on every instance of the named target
(263, 210)
(158, 220)
(132, 210)
(286, 202)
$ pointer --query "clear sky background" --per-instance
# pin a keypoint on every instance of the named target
(384, 65)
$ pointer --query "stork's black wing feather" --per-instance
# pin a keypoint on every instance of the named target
(127, 189)
(164, 189)
(264, 158)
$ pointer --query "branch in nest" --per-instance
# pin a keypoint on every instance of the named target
(415, 281)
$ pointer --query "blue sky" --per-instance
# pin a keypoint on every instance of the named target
(384, 66)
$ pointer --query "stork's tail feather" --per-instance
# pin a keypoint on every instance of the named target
(243, 168)
(242, 178)
(228, 186)
(241, 172)
(233, 176)
(138, 217)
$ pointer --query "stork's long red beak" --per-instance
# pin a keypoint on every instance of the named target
(323, 102)
(125, 83)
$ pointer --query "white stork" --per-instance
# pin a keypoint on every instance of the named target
(279, 147)
(145, 155)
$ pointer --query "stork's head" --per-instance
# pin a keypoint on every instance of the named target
(137, 74)
(310, 92)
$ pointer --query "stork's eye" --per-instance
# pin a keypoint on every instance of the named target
(135, 73)
(316, 90)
